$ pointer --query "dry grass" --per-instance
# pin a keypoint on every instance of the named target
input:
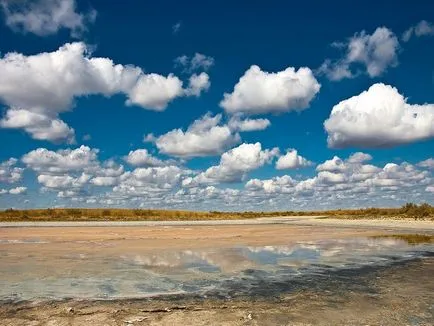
(408, 211)
(84, 214)
(409, 238)
(412, 211)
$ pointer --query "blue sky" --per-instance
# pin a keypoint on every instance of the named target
(216, 105)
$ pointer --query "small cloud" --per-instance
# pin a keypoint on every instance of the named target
(149, 138)
(87, 137)
(197, 84)
(46, 17)
(197, 62)
(176, 27)
(423, 28)
(18, 190)
(206, 136)
(291, 160)
(376, 52)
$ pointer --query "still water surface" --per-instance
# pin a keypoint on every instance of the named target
(27, 274)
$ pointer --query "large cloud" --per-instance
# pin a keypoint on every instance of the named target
(53, 79)
(234, 165)
(45, 17)
(378, 117)
(204, 137)
(260, 92)
(376, 52)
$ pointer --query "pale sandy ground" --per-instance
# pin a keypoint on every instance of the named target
(291, 220)
(370, 223)
(403, 296)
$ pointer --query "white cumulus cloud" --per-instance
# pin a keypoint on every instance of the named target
(17, 190)
(53, 80)
(284, 184)
(347, 181)
(150, 181)
(378, 117)
(9, 172)
(204, 137)
(67, 160)
(39, 126)
(259, 92)
(376, 52)
(291, 160)
(141, 157)
(155, 91)
(237, 123)
(63, 181)
(72, 170)
(234, 165)
(197, 84)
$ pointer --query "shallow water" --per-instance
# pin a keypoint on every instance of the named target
(29, 274)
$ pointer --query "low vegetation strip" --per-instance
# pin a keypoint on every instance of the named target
(412, 239)
(408, 211)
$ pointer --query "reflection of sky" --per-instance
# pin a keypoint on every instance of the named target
(273, 255)
(147, 273)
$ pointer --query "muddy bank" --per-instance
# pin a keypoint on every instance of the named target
(401, 294)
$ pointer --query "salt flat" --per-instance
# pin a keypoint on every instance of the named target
(317, 220)
(265, 271)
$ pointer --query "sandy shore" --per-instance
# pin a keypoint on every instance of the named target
(118, 237)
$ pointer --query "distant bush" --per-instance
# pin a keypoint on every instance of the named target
(409, 210)
(73, 211)
(417, 211)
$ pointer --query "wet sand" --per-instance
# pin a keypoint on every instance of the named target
(394, 298)
(396, 294)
